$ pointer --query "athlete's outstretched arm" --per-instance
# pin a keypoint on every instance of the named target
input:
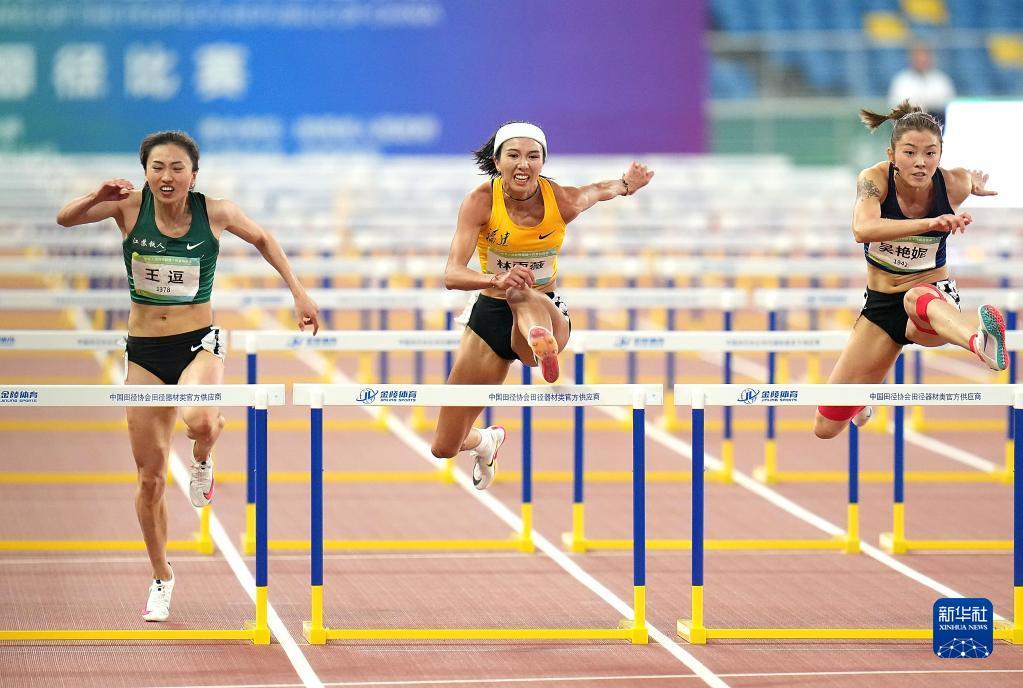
(101, 204)
(574, 200)
(962, 183)
(226, 214)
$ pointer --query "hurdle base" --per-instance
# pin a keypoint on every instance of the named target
(314, 636)
(640, 636)
(573, 544)
(686, 631)
(524, 543)
(904, 546)
(260, 636)
(1006, 630)
(763, 475)
(247, 544)
(889, 543)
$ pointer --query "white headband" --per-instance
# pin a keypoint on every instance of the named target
(520, 129)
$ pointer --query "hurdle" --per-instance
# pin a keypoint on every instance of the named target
(695, 629)
(727, 342)
(255, 341)
(636, 396)
(259, 396)
(896, 541)
(721, 341)
(91, 341)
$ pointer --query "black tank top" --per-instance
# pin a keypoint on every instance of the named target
(917, 253)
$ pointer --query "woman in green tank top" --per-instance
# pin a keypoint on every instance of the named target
(171, 239)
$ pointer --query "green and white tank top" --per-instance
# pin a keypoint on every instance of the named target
(165, 271)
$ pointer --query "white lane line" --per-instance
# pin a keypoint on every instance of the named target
(248, 582)
(226, 547)
(319, 364)
(945, 449)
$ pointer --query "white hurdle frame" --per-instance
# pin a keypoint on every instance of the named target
(636, 396)
(698, 397)
(259, 396)
(89, 341)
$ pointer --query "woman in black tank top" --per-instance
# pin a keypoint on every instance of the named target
(906, 208)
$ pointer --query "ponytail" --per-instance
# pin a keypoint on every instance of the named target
(907, 117)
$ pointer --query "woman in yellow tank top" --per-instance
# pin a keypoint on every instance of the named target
(516, 222)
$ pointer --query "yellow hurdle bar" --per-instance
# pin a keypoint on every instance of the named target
(480, 634)
(515, 542)
(96, 546)
(690, 632)
(881, 476)
(201, 542)
(837, 543)
(130, 634)
(897, 543)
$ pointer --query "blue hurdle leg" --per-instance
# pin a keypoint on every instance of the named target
(315, 632)
(526, 536)
(261, 633)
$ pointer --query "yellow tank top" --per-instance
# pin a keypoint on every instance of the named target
(505, 244)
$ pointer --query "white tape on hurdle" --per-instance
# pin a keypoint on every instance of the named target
(378, 299)
(582, 341)
(478, 395)
(23, 396)
(798, 299)
(846, 395)
(61, 340)
(253, 341)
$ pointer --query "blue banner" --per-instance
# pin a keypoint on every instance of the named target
(390, 76)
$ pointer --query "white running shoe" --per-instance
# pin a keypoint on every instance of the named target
(201, 484)
(485, 456)
(989, 342)
(861, 418)
(158, 604)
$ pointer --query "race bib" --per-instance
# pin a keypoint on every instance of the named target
(543, 263)
(165, 278)
(908, 254)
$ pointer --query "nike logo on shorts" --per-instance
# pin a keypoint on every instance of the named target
(196, 347)
(189, 247)
(544, 236)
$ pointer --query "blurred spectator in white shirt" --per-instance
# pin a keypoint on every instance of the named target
(922, 83)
